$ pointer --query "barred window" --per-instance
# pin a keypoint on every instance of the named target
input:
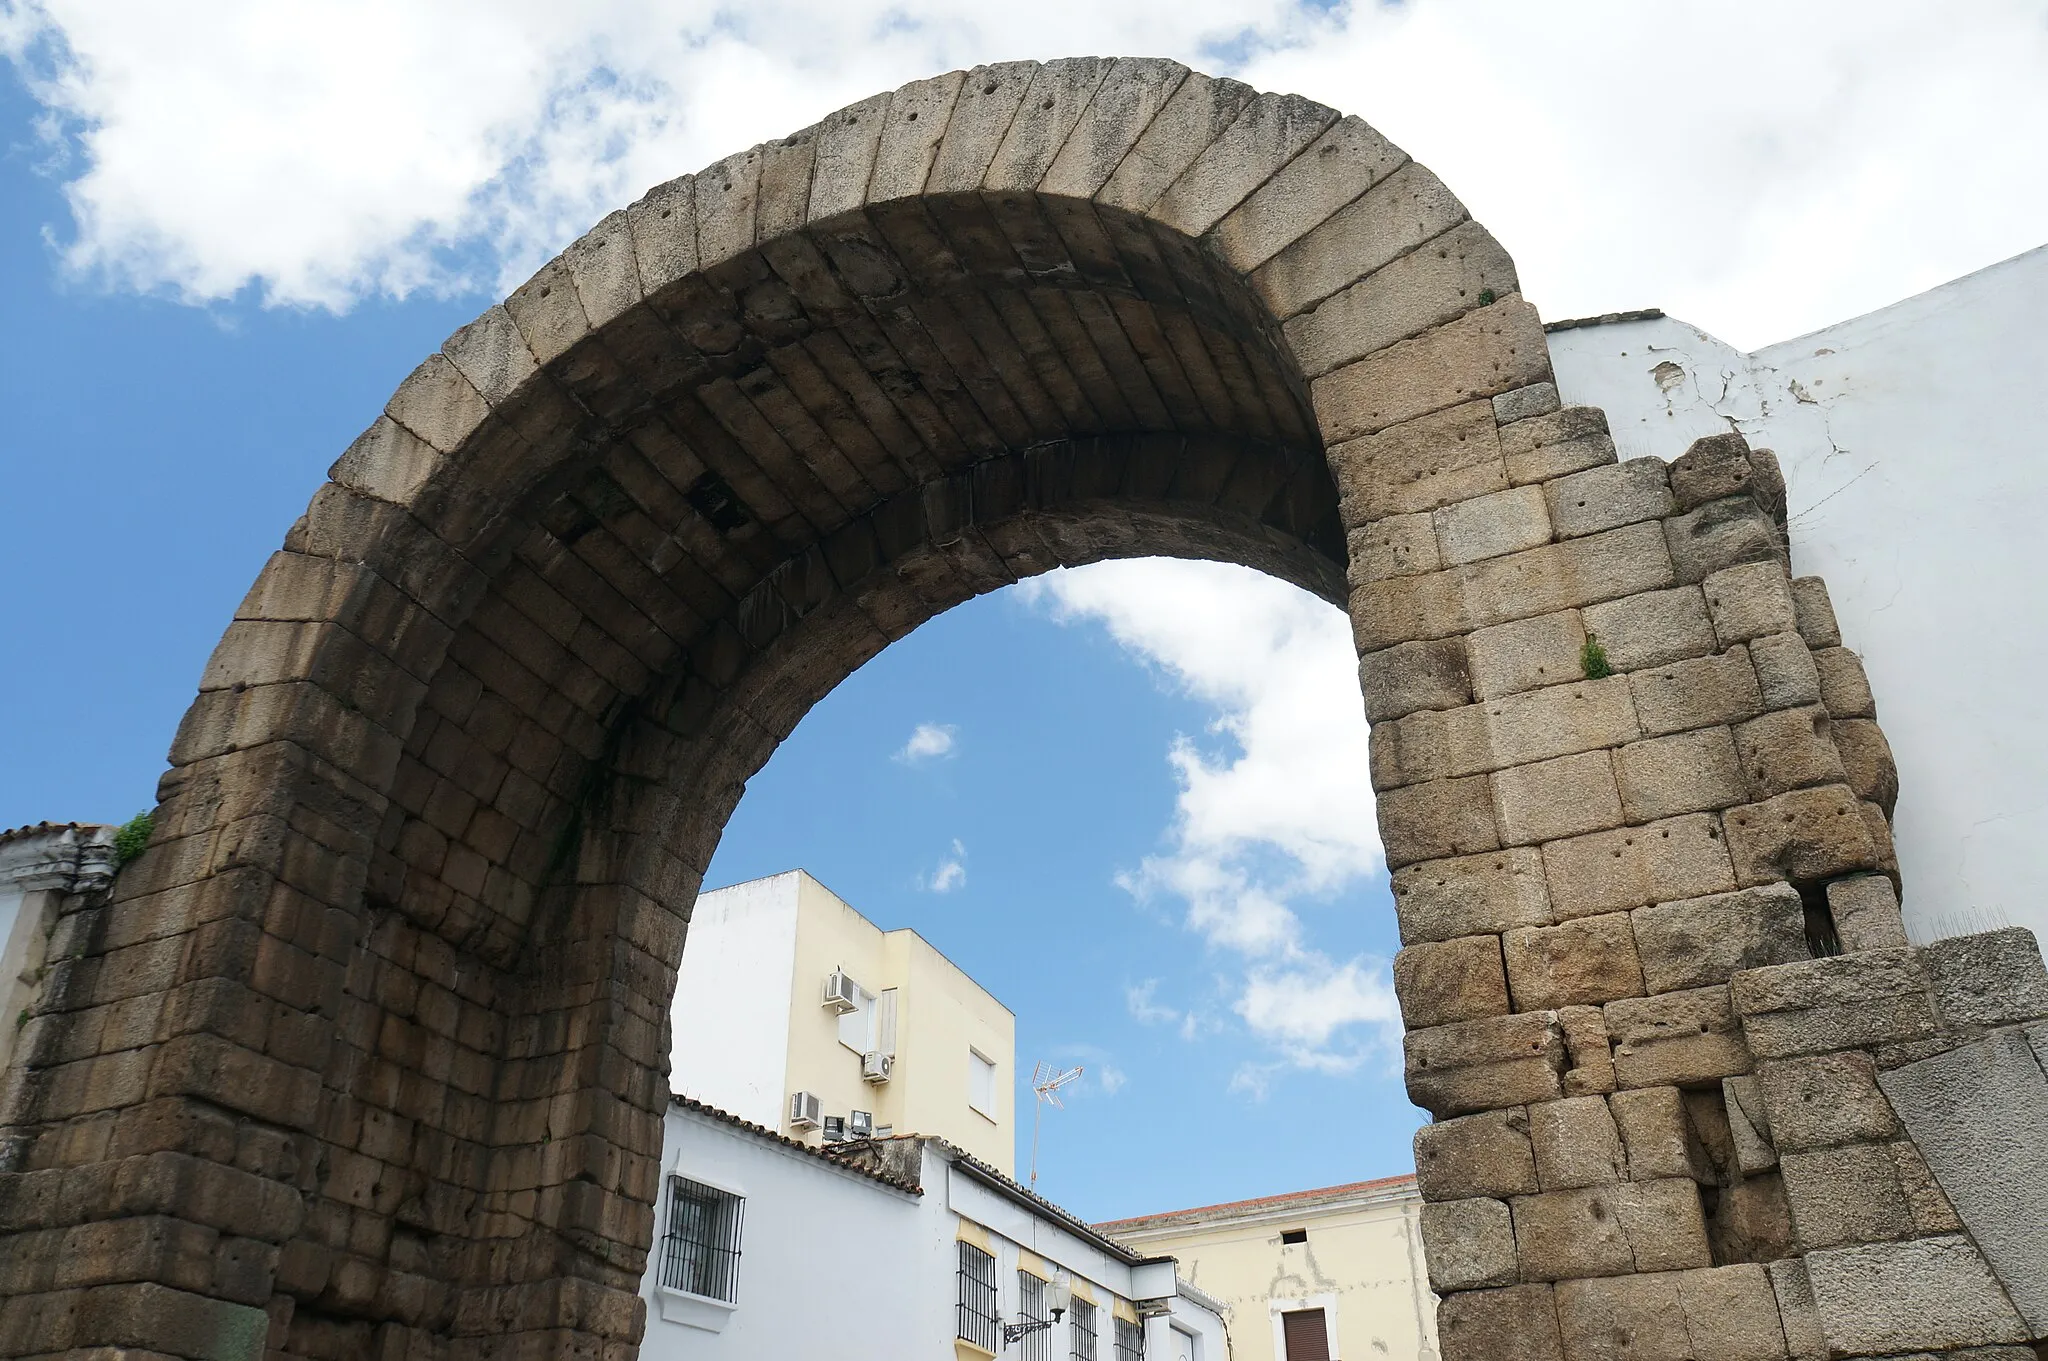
(976, 1309)
(1031, 1304)
(700, 1252)
(1130, 1341)
(1083, 1315)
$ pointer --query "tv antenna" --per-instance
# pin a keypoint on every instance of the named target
(1046, 1082)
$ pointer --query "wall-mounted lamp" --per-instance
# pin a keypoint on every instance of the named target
(1059, 1293)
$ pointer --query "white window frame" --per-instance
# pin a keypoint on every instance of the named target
(701, 1312)
(975, 1056)
(1326, 1302)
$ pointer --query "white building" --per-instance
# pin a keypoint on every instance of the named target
(40, 867)
(889, 1250)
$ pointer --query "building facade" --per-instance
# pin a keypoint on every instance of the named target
(889, 1250)
(795, 1012)
(1310, 1276)
(41, 869)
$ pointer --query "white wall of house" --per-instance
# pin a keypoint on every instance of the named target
(1917, 471)
(732, 1004)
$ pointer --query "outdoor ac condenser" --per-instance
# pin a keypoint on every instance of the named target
(875, 1066)
(842, 994)
(804, 1109)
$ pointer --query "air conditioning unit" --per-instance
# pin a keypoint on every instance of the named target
(842, 994)
(804, 1110)
(875, 1066)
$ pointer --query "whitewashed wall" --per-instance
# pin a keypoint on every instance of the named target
(732, 1002)
(1914, 453)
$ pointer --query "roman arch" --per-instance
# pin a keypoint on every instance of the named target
(364, 1056)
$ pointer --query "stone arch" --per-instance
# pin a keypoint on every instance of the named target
(365, 1054)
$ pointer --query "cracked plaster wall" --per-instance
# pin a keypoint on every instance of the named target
(1917, 470)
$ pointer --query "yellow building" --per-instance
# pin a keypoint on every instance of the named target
(797, 1013)
(1336, 1273)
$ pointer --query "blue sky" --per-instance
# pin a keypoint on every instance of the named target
(227, 230)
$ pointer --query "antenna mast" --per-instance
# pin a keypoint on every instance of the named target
(1046, 1082)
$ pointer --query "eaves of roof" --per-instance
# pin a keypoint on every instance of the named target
(823, 1155)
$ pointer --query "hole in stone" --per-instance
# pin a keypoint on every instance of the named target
(1822, 940)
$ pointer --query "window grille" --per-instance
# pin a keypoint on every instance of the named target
(976, 1309)
(700, 1252)
(1083, 1315)
(1130, 1341)
(1031, 1303)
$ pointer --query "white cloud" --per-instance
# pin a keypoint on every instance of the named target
(951, 873)
(1140, 999)
(928, 742)
(1757, 168)
(1112, 1079)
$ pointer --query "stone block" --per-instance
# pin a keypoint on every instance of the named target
(1653, 628)
(1696, 942)
(1867, 762)
(1453, 980)
(1666, 1224)
(1849, 1194)
(1401, 680)
(1486, 1064)
(1591, 1060)
(1749, 1125)
(1799, 837)
(1488, 1154)
(1405, 751)
(1731, 1314)
(1608, 497)
(1932, 1211)
(1623, 1318)
(1526, 654)
(1785, 672)
(1554, 445)
(1503, 341)
(1576, 1144)
(1538, 399)
(1403, 298)
(1578, 572)
(1749, 601)
(1565, 797)
(1470, 1244)
(1847, 1002)
(1721, 534)
(1682, 857)
(1488, 526)
(1402, 546)
(1978, 1115)
(1657, 1135)
(1437, 820)
(1698, 693)
(1518, 1323)
(1804, 1340)
(1420, 464)
(1844, 689)
(1689, 772)
(1789, 749)
(1752, 1222)
(1815, 613)
(1711, 468)
(1407, 209)
(1563, 1235)
(1579, 963)
(1473, 895)
(1865, 908)
(1988, 979)
(1676, 1039)
(1927, 1294)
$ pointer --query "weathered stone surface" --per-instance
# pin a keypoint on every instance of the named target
(1804, 1340)
(1488, 526)
(1844, 1195)
(1345, 161)
(1721, 534)
(1657, 1135)
(1561, 1235)
(1566, 441)
(1398, 681)
(1931, 1294)
(1576, 1144)
(1701, 941)
(1688, 772)
(1932, 1212)
(1978, 1115)
(1607, 498)
(1849, 1002)
(1749, 601)
(1403, 298)
(1484, 1065)
(1492, 350)
(1404, 545)
(1676, 858)
(1652, 629)
(1534, 725)
(1518, 1323)
(1731, 1314)
(1698, 693)
(1488, 1154)
(1805, 835)
(1785, 671)
(1432, 460)
(1789, 749)
(1815, 612)
(1267, 134)
(1749, 1128)
(1867, 761)
(1865, 909)
(1844, 689)
(1470, 1244)
(1623, 1318)
(1527, 654)
(1453, 980)
(1585, 1042)
(1538, 399)
(1665, 1225)
(1987, 979)
(1825, 1100)
(1579, 963)
(1711, 468)
(1677, 1038)
(1559, 798)
(1437, 820)
(1396, 215)
(1472, 895)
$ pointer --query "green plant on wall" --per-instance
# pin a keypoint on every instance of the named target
(1593, 658)
(131, 837)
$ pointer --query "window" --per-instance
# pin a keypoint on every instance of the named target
(1306, 1336)
(1184, 1345)
(857, 1027)
(1083, 1315)
(1293, 1236)
(700, 1252)
(1130, 1341)
(1031, 1303)
(976, 1309)
(981, 1083)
